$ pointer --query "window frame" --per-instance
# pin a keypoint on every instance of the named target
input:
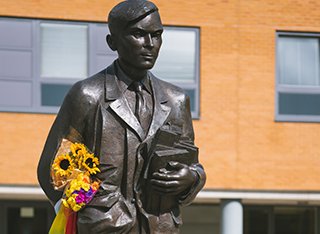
(195, 84)
(92, 53)
(293, 89)
(52, 80)
(6, 204)
(271, 213)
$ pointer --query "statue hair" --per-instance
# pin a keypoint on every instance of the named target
(129, 12)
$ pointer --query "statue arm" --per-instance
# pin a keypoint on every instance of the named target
(199, 181)
(68, 124)
(196, 168)
(182, 180)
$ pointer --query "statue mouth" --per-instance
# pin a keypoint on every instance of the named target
(147, 55)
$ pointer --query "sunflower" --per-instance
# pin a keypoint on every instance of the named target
(90, 163)
(63, 165)
(78, 151)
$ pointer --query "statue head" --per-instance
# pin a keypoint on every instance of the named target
(135, 33)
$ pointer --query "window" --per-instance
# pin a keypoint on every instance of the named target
(280, 220)
(25, 216)
(63, 49)
(298, 77)
(178, 61)
(41, 59)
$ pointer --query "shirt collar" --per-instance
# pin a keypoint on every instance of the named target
(125, 80)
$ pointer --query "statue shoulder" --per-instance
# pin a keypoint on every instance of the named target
(170, 90)
(89, 90)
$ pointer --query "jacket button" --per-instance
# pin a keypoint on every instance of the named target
(133, 200)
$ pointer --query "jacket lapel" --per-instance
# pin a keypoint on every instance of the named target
(161, 110)
(118, 103)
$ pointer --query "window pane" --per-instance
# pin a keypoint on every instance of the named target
(256, 220)
(64, 50)
(192, 94)
(177, 56)
(298, 60)
(299, 104)
(53, 94)
(35, 222)
(291, 220)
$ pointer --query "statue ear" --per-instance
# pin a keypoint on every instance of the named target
(111, 42)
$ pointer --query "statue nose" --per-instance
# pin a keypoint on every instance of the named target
(148, 40)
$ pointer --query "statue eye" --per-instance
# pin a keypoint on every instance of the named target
(156, 35)
(138, 33)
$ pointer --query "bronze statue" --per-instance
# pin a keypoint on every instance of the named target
(139, 126)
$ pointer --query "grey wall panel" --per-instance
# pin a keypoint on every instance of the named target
(15, 64)
(15, 33)
(15, 94)
(103, 61)
(100, 40)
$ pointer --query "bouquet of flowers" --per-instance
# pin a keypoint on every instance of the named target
(71, 172)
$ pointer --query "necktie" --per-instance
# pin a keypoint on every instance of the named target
(141, 110)
(140, 102)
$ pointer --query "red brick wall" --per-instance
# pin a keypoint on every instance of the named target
(241, 146)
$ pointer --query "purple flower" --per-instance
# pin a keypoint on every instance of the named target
(83, 196)
(90, 193)
(80, 198)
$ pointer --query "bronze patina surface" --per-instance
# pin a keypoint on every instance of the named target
(148, 160)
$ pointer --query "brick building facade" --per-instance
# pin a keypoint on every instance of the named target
(249, 155)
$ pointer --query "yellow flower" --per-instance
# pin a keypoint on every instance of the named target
(73, 204)
(71, 201)
(95, 185)
(75, 169)
(78, 151)
(76, 207)
(74, 185)
(65, 203)
(85, 186)
(81, 182)
(90, 163)
(68, 192)
(63, 165)
(84, 181)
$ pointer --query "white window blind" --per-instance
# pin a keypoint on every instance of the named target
(64, 50)
(299, 61)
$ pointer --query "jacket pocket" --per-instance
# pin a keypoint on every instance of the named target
(105, 199)
(106, 216)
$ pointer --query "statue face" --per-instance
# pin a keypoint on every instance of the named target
(139, 44)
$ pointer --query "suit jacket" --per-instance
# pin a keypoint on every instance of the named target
(96, 113)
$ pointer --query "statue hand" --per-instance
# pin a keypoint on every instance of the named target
(178, 180)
